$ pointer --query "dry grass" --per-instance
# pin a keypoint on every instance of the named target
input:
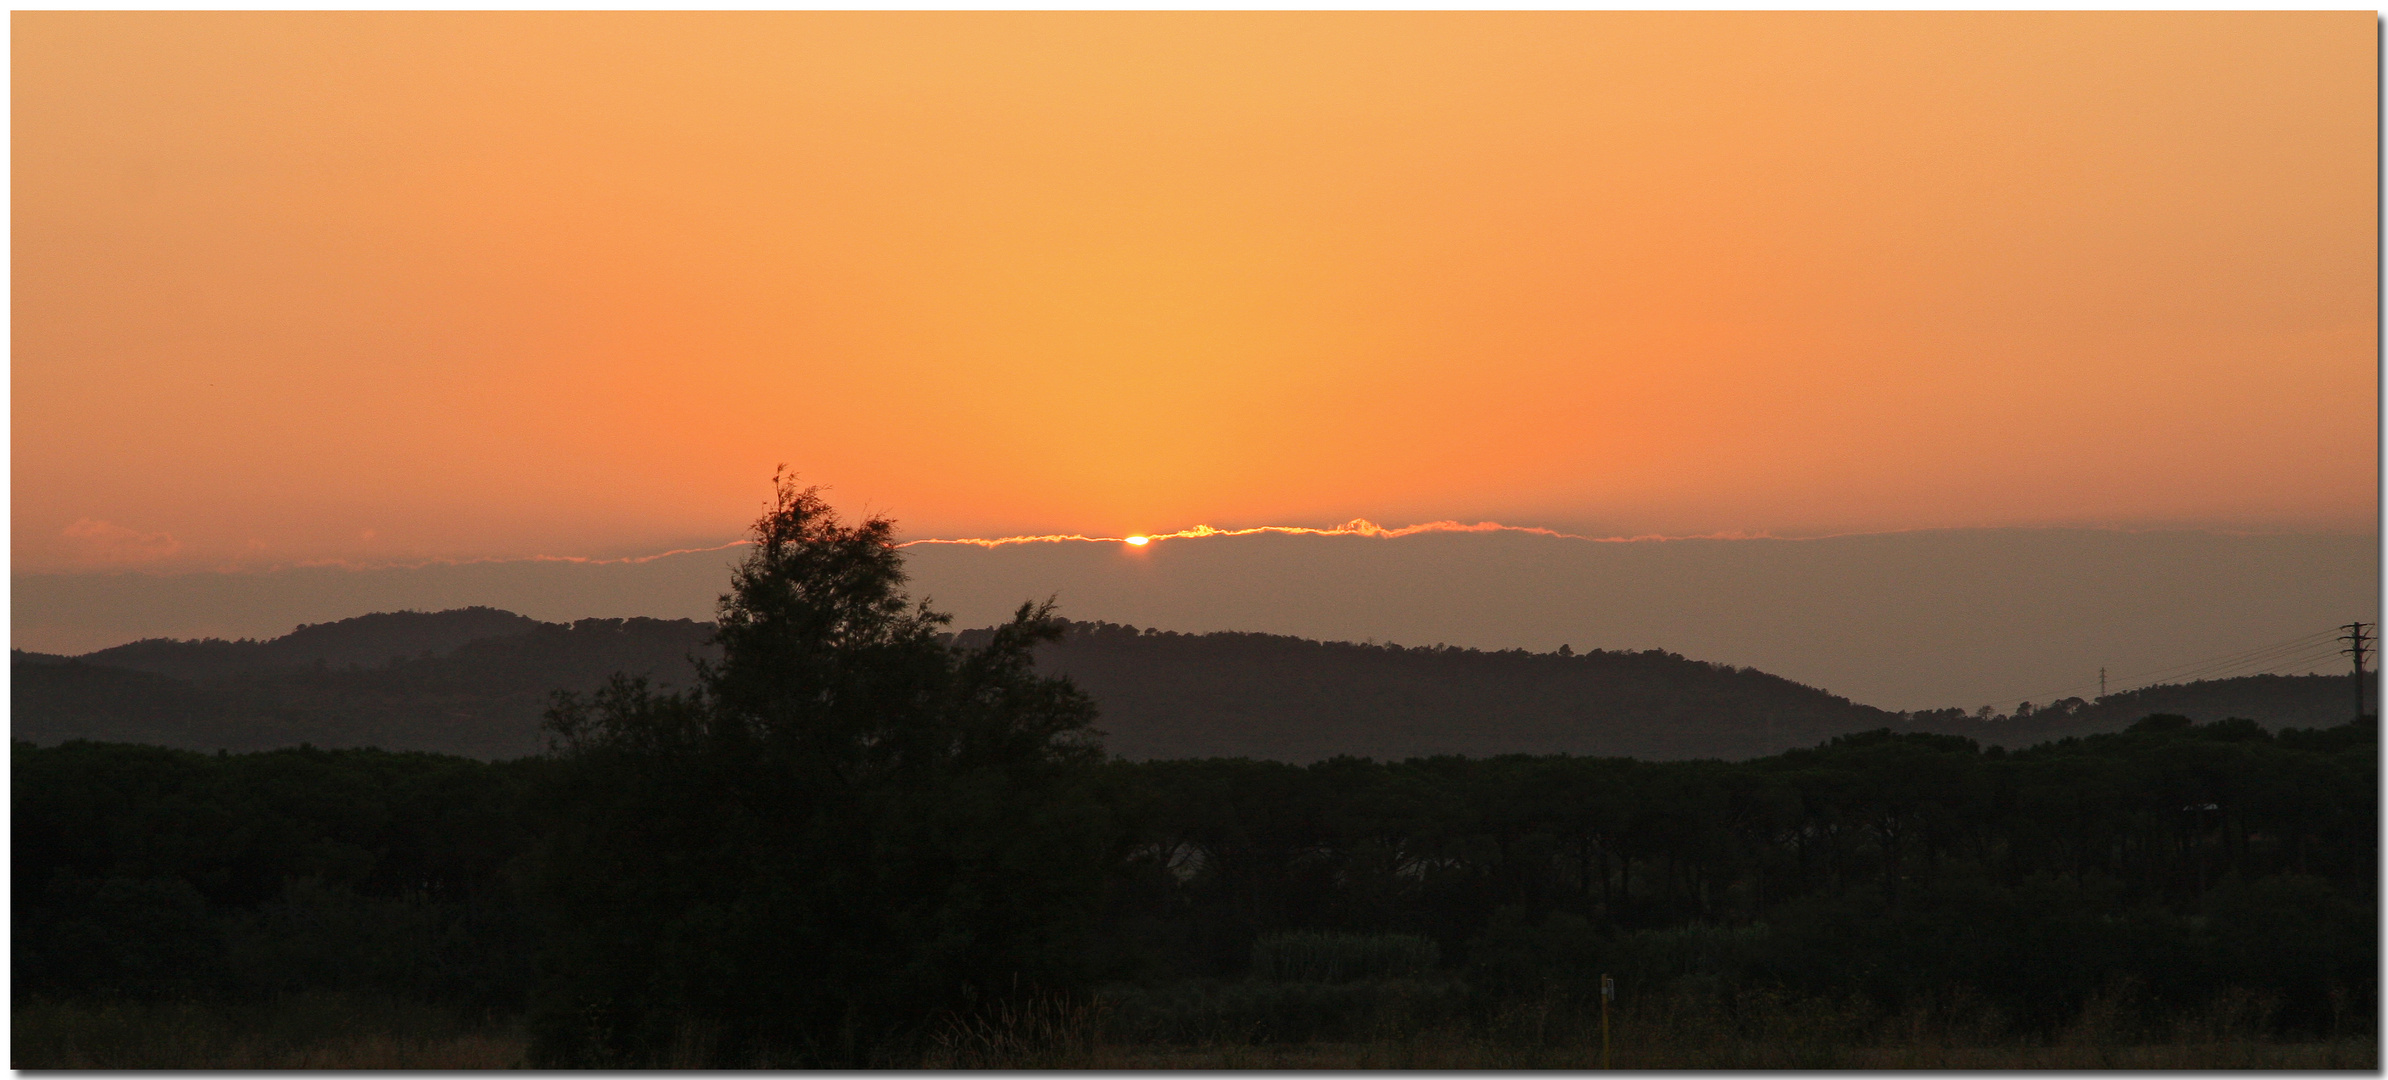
(2244, 1054)
(309, 1032)
(1043, 1032)
(1748, 1032)
(1469, 1054)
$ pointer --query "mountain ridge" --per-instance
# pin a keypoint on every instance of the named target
(476, 680)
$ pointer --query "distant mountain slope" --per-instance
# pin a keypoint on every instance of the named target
(1163, 695)
(367, 640)
(1169, 695)
(2276, 701)
(481, 697)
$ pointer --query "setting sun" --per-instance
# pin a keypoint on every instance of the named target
(1140, 541)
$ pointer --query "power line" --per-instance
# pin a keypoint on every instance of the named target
(2308, 662)
(2178, 671)
(2227, 659)
(2274, 658)
(2268, 662)
(2271, 663)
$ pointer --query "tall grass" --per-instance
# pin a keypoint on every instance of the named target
(302, 1031)
(1676, 1030)
(1046, 1031)
(1198, 1011)
(1685, 1030)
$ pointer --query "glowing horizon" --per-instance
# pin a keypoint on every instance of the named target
(1358, 527)
(1354, 527)
(384, 286)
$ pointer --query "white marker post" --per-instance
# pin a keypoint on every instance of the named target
(1608, 991)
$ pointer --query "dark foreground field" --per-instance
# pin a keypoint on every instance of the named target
(2178, 896)
(334, 1031)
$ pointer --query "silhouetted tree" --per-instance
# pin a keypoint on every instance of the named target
(845, 829)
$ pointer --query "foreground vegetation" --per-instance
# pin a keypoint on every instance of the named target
(2176, 896)
(309, 1030)
(853, 844)
(337, 1031)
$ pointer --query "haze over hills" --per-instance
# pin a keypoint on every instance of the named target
(1918, 620)
(475, 681)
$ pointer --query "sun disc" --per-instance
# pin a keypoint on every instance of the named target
(1140, 541)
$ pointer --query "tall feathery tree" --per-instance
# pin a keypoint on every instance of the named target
(845, 830)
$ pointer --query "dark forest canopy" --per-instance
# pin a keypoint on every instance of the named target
(2181, 859)
(474, 681)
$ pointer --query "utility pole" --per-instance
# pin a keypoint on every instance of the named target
(2358, 643)
(2101, 682)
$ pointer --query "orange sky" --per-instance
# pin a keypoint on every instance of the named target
(374, 286)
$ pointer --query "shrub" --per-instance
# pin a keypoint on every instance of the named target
(1331, 957)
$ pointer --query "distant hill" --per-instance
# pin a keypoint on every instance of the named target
(480, 696)
(475, 681)
(2276, 701)
(364, 641)
(1170, 695)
